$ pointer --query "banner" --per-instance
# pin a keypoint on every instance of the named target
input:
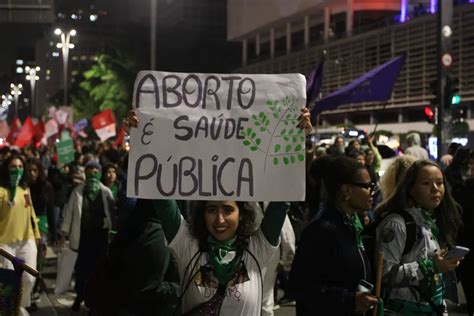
(218, 137)
(376, 85)
(51, 128)
(104, 124)
(65, 149)
(4, 129)
(14, 130)
(25, 135)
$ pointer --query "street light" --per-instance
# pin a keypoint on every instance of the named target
(32, 76)
(15, 91)
(65, 45)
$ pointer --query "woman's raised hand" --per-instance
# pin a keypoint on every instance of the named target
(305, 121)
(443, 264)
(131, 120)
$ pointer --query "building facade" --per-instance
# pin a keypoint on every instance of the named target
(356, 36)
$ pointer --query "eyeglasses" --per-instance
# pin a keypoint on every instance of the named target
(367, 186)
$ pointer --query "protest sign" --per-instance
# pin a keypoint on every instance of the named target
(218, 137)
(104, 124)
(65, 151)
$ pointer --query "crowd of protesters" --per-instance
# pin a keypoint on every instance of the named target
(166, 257)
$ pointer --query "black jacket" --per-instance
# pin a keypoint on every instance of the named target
(327, 267)
(148, 274)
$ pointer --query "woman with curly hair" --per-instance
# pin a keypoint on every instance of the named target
(221, 258)
(394, 173)
(416, 273)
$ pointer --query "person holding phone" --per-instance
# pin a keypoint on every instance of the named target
(415, 279)
(331, 273)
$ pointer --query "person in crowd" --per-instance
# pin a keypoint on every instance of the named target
(42, 196)
(330, 260)
(465, 197)
(356, 154)
(414, 146)
(394, 174)
(19, 231)
(416, 278)
(459, 169)
(372, 155)
(221, 259)
(110, 179)
(87, 223)
(280, 262)
(337, 149)
(354, 145)
(447, 159)
(145, 273)
(58, 176)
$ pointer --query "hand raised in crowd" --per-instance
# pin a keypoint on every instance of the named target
(364, 301)
(131, 120)
(443, 264)
(305, 121)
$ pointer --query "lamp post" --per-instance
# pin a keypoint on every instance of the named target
(32, 76)
(65, 45)
(15, 91)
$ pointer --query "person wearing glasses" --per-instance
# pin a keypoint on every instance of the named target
(416, 270)
(330, 263)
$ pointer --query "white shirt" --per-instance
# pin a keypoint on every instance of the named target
(243, 298)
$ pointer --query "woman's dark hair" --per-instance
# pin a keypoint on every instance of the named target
(5, 172)
(245, 229)
(447, 214)
(339, 171)
(41, 173)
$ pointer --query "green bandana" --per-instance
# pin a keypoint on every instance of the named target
(223, 258)
(114, 189)
(15, 177)
(358, 230)
(354, 222)
(429, 218)
(92, 187)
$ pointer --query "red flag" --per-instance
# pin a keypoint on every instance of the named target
(16, 125)
(104, 124)
(26, 134)
(39, 130)
(119, 139)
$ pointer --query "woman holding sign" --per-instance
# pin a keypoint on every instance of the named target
(221, 259)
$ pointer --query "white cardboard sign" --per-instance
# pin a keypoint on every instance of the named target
(218, 137)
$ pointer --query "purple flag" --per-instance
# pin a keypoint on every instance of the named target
(80, 125)
(376, 85)
(314, 83)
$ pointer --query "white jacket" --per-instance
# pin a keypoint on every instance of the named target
(391, 238)
(71, 226)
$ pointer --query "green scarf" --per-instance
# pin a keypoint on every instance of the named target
(431, 220)
(114, 189)
(358, 228)
(15, 177)
(354, 222)
(92, 187)
(218, 250)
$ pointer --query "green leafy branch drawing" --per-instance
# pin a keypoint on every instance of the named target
(261, 121)
(251, 140)
(287, 138)
(289, 155)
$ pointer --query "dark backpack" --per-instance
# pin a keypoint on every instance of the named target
(369, 236)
